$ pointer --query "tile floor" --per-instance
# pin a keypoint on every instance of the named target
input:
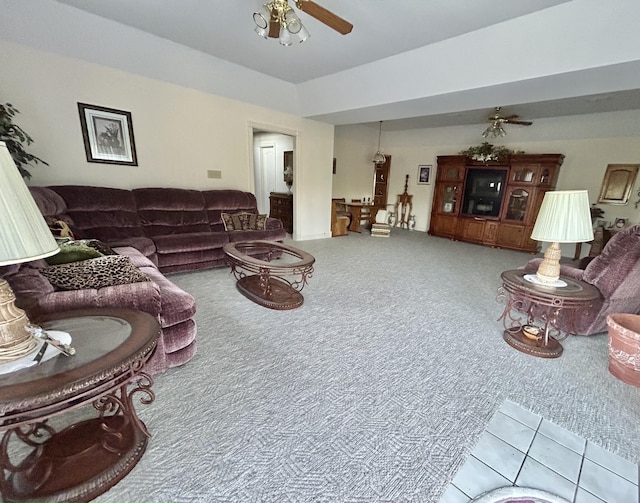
(520, 448)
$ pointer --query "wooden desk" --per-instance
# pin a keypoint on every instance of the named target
(356, 210)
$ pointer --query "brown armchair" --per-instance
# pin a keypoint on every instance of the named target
(340, 218)
(615, 273)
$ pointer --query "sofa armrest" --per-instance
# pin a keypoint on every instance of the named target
(37, 296)
(273, 223)
(142, 296)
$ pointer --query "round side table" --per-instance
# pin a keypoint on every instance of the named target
(84, 459)
(524, 297)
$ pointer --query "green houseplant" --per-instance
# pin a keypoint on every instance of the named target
(487, 152)
(16, 139)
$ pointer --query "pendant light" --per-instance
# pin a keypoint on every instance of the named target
(379, 157)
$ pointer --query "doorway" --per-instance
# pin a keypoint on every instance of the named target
(269, 165)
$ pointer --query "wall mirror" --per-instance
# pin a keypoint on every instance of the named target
(617, 183)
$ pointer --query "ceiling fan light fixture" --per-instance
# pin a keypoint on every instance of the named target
(261, 17)
(285, 36)
(278, 13)
(494, 130)
(294, 25)
(303, 34)
(263, 32)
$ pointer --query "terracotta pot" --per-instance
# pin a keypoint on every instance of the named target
(624, 347)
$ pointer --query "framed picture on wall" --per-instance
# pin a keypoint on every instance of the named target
(107, 135)
(424, 174)
(617, 183)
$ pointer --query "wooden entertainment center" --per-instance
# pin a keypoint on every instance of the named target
(492, 203)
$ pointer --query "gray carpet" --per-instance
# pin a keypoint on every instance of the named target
(376, 389)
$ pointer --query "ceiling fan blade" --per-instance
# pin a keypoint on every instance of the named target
(521, 123)
(325, 16)
(274, 27)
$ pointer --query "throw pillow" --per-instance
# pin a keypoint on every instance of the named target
(59, 228)
(72, 253)
(98, 272)
(96, 244)
(227, 221)
(243, 221)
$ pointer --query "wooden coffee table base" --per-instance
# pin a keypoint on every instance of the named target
(519, 341)
(77, 463)
(280, 294)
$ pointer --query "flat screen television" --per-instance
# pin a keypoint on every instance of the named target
(483, 190)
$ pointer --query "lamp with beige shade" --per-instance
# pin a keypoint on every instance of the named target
(564, 217)
(24, 236)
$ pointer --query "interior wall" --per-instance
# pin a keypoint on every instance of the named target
(589, 143)
(180, 133)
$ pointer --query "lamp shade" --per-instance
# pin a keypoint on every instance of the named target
(564, 217)
(24, 235)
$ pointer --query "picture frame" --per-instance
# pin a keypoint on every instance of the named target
(108, 135)
(617, 183)
(424, 174)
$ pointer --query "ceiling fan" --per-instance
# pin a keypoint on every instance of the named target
(495, 128)
(277, 19)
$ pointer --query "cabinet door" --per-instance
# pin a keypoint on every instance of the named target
(548, 176)
(444, 226)
(529, 244)
(524, 174)
(510, 235)
(490, 232)
(451, 168)
(517, 204)
(452, 173)
(473, 229)
(448, 198)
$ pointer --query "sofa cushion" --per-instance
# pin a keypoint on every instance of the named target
(102, 213)
(267, 234)
(96, 273)
(166, 211)
(49, 202)
(191, 242)
(226, 201)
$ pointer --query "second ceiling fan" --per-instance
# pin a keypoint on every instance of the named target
(495, 128)
(277, 19)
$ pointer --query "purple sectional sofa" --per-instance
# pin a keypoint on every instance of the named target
(177, 229)
(161, 231)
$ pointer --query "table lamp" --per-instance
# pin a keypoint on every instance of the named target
(564, 217)
(24, 236)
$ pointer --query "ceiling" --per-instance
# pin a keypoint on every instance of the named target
(382, 28)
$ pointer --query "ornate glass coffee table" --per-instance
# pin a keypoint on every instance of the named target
(84, 459)
(269, 273)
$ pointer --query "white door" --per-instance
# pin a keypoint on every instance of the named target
(265, 176)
